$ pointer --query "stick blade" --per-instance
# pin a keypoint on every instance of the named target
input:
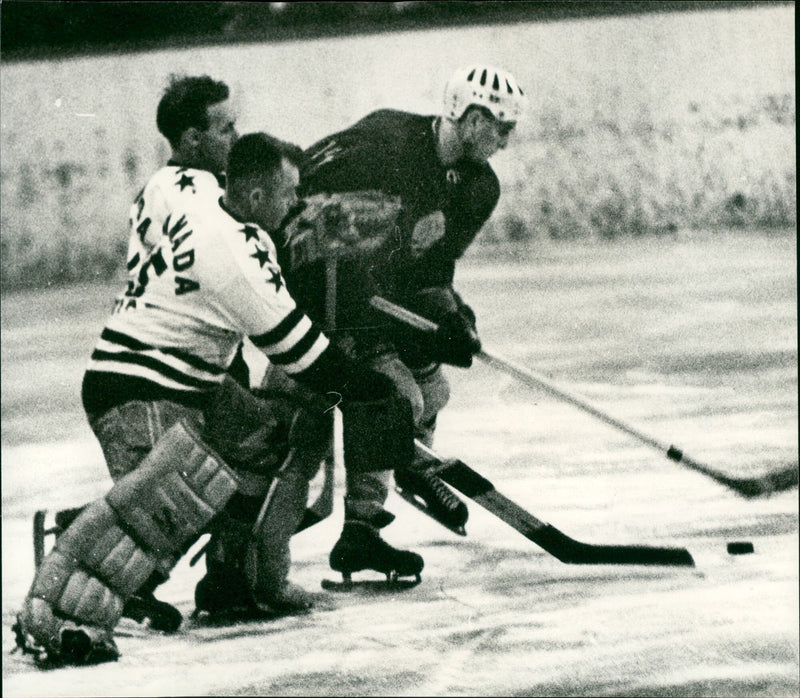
(571, 551)
(771, 483)
(558, 544)
(780, 480)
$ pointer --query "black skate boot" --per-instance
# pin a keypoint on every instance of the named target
(223, 595)
(361, 547)
(142, 606)
(429, 494)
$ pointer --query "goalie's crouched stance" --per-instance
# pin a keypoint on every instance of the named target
(143, 525)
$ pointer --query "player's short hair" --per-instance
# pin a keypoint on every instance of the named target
(185, 104)
(258, 154)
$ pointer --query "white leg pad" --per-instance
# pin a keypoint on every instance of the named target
(114, 545)
(179, 487)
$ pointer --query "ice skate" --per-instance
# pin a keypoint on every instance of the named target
(289, 599)
(360, 547)
(144, 606)
(429, 494)
(225, 598)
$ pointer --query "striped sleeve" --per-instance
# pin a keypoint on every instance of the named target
(294, 344)
(238, 270)
(260, 306)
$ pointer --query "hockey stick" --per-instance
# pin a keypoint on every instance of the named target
(558, 544)
(39, 533)
(63, 519)
(323, 506)
(766, 484)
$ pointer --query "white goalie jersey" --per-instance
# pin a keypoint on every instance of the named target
(199, 282)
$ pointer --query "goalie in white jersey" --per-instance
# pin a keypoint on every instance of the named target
(210, 278)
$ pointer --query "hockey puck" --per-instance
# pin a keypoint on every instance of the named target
(740, 548)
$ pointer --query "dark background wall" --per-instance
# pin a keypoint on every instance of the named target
(32, 29)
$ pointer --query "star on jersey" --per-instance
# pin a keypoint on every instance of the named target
(250, 232)
(261, 255)
(185, 181)
(276, 279)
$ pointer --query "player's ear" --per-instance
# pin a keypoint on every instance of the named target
(255, 197)
(190, 139)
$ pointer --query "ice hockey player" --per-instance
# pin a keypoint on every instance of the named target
(189, 444)
(438, 167)
(196, 116)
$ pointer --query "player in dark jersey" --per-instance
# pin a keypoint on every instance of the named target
(438, 167)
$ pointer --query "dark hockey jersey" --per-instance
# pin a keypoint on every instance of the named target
(443, 207)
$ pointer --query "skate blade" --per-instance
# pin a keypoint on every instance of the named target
(418, 503)
(232, 617)
(371, 586)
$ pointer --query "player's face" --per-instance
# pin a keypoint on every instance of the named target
(484, 135)
(280, 194)
(216, 141)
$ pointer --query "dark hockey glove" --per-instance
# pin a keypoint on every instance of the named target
(455, 342)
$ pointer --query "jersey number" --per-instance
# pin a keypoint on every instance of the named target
(139, 268)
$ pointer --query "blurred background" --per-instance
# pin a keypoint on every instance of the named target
(645, 118)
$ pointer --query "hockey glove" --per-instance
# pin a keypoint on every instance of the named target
(455, 342)
(341, 379)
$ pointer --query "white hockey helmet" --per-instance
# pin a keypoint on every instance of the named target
(487, 87)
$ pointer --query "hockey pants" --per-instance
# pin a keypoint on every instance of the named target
(428, 391)
(254, 434)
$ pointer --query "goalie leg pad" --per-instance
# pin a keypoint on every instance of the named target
(79, 590)
(68, 589)
(268, 556)
(179, 487)
(93, 568)
(116, 543)
(96, 540)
